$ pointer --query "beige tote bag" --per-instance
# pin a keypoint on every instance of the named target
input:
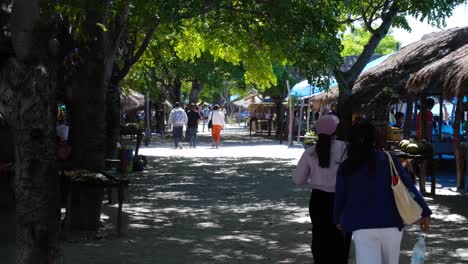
(409, 209)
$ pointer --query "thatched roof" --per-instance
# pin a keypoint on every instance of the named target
(132, 101)
(385, 82)
(325, 98)
(448, 76)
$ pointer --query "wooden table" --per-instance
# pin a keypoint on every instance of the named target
(426, 161)
(114, 180)
(133, 132)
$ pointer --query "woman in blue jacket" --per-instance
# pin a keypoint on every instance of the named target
(364, 201)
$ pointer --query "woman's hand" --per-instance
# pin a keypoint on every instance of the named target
(425, 222)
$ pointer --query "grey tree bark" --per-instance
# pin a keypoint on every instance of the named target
(28, 93)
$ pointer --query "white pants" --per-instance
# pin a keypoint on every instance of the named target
(377, 245)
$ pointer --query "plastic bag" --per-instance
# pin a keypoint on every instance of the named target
(419, 251)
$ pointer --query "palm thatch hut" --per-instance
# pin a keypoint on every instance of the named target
(449, 78)
(321, 100)
(381, 86)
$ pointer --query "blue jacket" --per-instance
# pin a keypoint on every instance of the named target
(365, 199)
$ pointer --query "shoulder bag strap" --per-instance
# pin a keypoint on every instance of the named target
(393, 170)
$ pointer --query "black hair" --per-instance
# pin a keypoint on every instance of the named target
(323, 150)
(361, 147)
(216, 107)
(430, 103)
(177, 104)
(399, 114)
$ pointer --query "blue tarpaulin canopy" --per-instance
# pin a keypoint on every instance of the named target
(304, 89)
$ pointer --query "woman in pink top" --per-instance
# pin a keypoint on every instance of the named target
(318, 168)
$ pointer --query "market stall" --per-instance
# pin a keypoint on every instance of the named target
(261, 117)
(448, 78)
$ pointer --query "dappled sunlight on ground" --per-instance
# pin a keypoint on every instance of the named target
(236, 204)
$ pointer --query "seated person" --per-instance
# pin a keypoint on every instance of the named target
(399, 119)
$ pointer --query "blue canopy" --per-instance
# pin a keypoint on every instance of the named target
(304, 89)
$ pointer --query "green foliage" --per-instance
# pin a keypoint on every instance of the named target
(353, 43)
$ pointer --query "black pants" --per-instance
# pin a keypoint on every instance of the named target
(329, 244)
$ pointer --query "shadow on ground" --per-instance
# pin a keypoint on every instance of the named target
(238, 210)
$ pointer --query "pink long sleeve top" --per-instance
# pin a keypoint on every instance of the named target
(308, 170)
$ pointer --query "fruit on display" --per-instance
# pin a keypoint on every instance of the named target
(310, 138)
(403, 144)
(416, 147)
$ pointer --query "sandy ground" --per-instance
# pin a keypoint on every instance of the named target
(236, 204)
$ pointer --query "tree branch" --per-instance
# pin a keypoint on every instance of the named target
(134, 57)
(387, 20)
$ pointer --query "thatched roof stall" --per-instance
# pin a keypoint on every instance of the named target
(323, 99)
(132, 101)
(449, 78)
(383, 85)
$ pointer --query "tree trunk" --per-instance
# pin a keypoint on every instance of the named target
(347, 79)
(112, 118)
(345, 111)
(88, 116)
(175, 91)
(279, 110)
(196, 89)
(28, 104)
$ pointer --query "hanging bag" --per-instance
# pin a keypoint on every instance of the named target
(210, 123)
(410, 211)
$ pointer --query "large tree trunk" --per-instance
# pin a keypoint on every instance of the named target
(88, 116)
(28, 103)
(347, 79)
(196, 89)
(175, 91)
(345, 111)
(112, 118)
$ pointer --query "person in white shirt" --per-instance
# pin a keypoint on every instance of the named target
(217, 120)
(178, 118)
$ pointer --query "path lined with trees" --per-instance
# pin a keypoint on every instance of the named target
(237, 204)
(84, 53)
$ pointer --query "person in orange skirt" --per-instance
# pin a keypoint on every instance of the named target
(217, 120)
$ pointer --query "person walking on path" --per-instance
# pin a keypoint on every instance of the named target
(206, 113)
(364, 202)
(192, 124)
(217, 120)
(318, 168)
(178, 118)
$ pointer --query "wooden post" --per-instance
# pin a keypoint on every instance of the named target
(408, 116)
(299, 125)
(147, 120)
(441, 115)
(456, 143)
(291, 117)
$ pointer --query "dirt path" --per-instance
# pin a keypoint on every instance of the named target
(235, 204)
